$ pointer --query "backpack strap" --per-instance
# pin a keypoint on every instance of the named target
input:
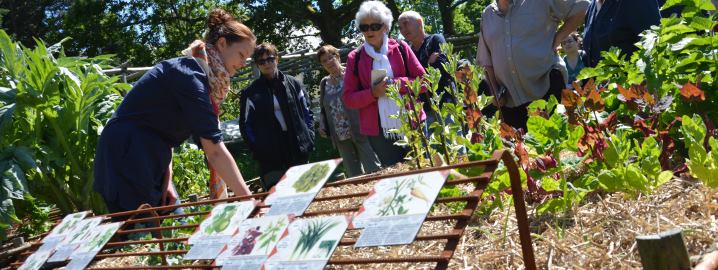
(357, 56)
(403, 56)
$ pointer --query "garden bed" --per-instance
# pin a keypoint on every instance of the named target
(599, 234)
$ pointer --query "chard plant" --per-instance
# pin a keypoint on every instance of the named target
(412, 128)
(703, 160)
(632, 167)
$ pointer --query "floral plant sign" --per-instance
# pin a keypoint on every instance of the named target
(74, 239)
(297, 188)
(396, 208)
(308, 243)
(58, 234)
(97, 239)
(257, 237)
(216, 231)
(35, 261)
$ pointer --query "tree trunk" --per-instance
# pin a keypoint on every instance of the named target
(391, 4)
(447, 16)
(329, 32)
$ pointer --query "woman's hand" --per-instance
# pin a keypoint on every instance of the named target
(323, 133)
(379, 89)
(169, 193)
(222, 161)
(433, 57)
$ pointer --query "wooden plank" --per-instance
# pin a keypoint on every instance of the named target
(663, 251)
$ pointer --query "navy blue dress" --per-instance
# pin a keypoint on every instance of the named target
(165, 107)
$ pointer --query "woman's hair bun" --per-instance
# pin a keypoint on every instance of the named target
(221, 23)
(218, 17)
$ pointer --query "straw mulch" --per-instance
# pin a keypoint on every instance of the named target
(600, 234)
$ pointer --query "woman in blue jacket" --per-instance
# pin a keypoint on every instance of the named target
(176, 99)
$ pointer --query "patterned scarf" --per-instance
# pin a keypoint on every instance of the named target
(211, 62)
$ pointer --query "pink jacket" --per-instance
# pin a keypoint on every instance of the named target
(357, 91)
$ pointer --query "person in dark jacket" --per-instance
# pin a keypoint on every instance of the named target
(613, 23)
(176, 99)
(275, 119)
(427, 48)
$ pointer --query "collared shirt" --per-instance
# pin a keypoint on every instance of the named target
(519, 45)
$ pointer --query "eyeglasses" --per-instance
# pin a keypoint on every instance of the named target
(269, 59)
(329, 60)
(568, 41)
(372, 27)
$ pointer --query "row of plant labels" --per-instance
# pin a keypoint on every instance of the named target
(281, 238)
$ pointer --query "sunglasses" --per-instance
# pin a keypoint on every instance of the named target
(568, 41)
(265, 60)
(372, 27)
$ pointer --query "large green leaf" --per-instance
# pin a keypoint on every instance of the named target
(649, 154)
(14, 184)
(617, 152)
(6, 113)
(610, 180)
(7, 95)
(635, 178)
(7, 216)
(693, 129)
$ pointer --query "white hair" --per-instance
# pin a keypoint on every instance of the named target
(411, 15)
(374, 9)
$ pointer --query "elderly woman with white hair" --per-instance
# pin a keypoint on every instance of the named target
(379, 52)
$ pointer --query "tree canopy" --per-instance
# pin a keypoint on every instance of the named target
(145, 31)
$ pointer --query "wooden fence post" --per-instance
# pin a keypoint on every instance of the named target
(663, 251)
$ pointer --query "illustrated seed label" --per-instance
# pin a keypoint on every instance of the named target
(97, 239)
(308, 244)
(298, 187)
(256, 239)
(216, 231)
(396, 208)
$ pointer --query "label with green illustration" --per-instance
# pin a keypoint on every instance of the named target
(35, 261)
(308, 244)
(98, 237)
(256, 239)
(61, 231)
(396, 208)
(296, 190)
(223, 220)
(215, 232)
(66, 225)
(78, 235)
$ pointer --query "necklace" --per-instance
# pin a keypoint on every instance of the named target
(336, 78)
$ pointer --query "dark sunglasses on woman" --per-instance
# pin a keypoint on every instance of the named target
(265, 60)
(372, 27)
